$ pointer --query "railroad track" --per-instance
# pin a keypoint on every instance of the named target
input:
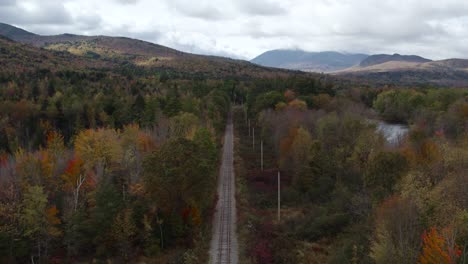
(224, 242)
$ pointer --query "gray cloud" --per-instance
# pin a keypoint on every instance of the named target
(127, 2)
(150, 35)
(88, 21)
(261, 7)
(198, 9)
(7, 2)
(245, 28)
(34, 12)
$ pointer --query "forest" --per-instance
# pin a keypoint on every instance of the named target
(113, 164)
(84, 154)
(103, 162)
(348, 195)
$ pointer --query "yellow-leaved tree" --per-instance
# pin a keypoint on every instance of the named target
(98, 149)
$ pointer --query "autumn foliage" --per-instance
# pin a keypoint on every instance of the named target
(437, 247)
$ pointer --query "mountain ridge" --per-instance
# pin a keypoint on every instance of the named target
(382, 69)
(124, 50)
(326, 61)
(104, 51)
(11, 32)
(382, 58)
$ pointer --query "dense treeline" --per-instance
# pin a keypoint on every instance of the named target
(71, 101)
(108, 164)
(434, 109)
(122, 164)
(350, 196)
(94, 164)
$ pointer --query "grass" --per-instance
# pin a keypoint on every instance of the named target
(243, 207)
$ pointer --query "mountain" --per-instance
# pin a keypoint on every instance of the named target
(450, 72)
(383, 58)
(14, 33)
(17, 58)
(118, 51)
(308, 61)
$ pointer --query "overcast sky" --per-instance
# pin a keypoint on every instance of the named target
(245, 28)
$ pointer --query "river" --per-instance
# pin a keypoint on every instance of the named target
(393, 133)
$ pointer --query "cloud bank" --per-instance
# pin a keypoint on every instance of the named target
(245, 28)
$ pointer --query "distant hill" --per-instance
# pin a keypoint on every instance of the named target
(14, 33)
(381, 68)
(21, 50)
(383, 58)
(460, 64)
(308, 61)
(23, 36)
(121, 51)
(17, 57)
(450, 72)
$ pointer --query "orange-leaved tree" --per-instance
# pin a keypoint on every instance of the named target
(438, 247)
(74, 177)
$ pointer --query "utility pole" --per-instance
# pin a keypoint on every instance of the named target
(249, 127)
(253, 138)
(261, 154)
(279, 197)
(245, 110)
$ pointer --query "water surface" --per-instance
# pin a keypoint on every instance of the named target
(393, 133)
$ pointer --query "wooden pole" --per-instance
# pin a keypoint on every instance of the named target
(261, 154)
(279, 197)
(253, 138)
(245, 111)
(249, 127)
